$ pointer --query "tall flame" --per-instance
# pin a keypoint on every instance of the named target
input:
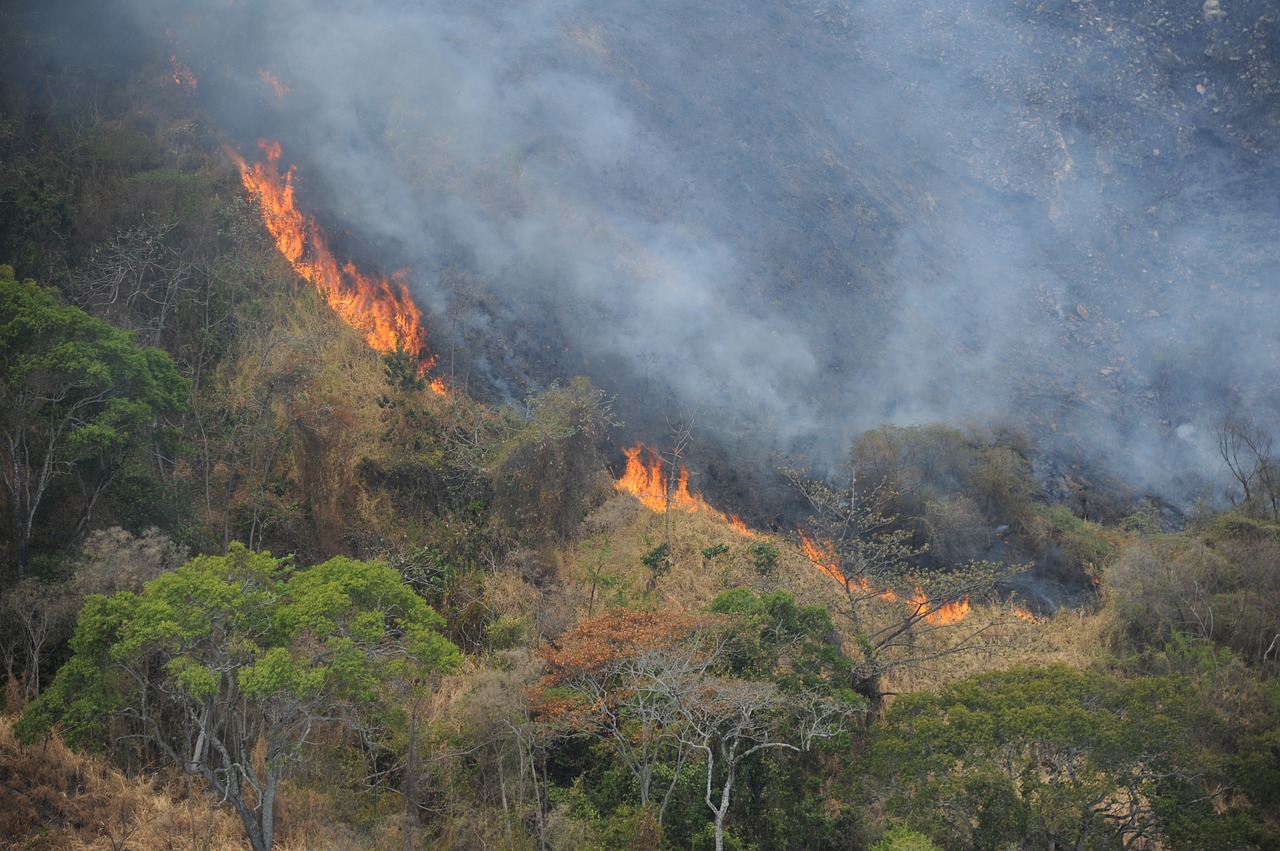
(381, 308)
(648, 481)
(822, 555)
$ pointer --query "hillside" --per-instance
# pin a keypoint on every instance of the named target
(299, 556)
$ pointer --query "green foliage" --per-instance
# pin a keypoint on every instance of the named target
(1216, 587)
(242, 646)
(37, 223)
(902, 838)
(403, 373)
(775, 638)
(547, 473)
(1050, 755)
(1086, 545)
(913, 466)
(658, 562)
(76, 397)
(715, 551)
(764, 557)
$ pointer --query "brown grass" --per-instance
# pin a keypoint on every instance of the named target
(619, 533)
(52, 798)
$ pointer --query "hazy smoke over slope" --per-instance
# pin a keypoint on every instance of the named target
(806, 217)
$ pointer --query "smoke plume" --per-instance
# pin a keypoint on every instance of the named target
(801, 218)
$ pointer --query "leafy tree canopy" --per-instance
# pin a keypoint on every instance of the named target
(1054, 755)
(229, 651)
(76, 395)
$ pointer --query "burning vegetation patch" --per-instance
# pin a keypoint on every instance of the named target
(380, 308)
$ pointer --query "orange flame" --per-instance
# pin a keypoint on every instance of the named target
(182, 75)
(381, 308)
(647, 481)
(1024, 614)
(274, 83)
(822, 555)
(948, 613)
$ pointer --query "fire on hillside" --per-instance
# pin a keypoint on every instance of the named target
(648, 481)
(822, 555)
(380, 308)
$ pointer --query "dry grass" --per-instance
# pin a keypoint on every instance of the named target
(617, 536)
(619, 533)
(1071, 637)
(52, 798)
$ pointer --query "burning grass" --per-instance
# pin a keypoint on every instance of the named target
(661, 488)
(381, 308)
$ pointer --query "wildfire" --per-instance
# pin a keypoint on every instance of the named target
(381, 308)
(822, 555)
(272, 81)
(948, 613)
(182, 74)
(647, 481)
(1024, 614)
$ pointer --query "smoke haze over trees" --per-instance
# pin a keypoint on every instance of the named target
(809, 217)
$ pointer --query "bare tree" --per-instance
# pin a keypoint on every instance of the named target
(1245, 446)
(137, 280)
(35, 616)
(728, 720)
(890, 603)
(681, 436)
(627, 672)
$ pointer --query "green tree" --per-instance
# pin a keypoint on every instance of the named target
(77, 396)
(229, 654)
(666, 690)
(1054, 757)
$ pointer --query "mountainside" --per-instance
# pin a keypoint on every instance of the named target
(807, 219)
(385, 388)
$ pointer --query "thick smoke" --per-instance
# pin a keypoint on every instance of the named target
(802, 218)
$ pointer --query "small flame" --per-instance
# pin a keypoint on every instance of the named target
(274, 83)
(1024, 614)
(182, 75)
(379, 307)
(822, 555)
(948, 613)
(647, 481)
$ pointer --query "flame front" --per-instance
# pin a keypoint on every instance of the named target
(273, 82)
(822, 555)
(948, 613)
(380, 308)
(646, 480)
